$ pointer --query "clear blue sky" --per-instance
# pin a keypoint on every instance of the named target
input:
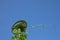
(46, 12)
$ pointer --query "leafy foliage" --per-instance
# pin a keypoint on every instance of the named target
(18, 29)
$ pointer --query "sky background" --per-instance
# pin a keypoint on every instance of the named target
(35, 12)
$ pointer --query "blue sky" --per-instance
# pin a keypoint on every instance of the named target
(45, 12)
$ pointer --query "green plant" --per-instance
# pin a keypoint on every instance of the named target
(19, 29)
